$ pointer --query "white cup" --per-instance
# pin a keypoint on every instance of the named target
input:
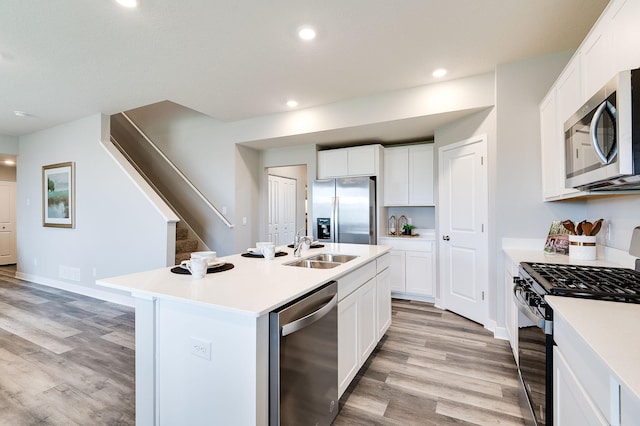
(196, 265)
(268, 251)
(209, 256)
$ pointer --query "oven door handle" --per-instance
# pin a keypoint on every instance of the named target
(538, 320)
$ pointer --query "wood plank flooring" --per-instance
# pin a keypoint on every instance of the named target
(67, 359)
(434, 367)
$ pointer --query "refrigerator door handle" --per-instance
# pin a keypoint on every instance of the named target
(336, 216)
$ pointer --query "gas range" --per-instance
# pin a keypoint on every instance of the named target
(591, 282)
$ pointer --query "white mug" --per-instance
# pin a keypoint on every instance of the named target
(268, 251)
(210, 256)
(197, 266)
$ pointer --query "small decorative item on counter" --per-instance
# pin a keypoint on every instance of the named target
(558, 238)
(582, 245)
(407, 229)
(402, 221)
(392, 224)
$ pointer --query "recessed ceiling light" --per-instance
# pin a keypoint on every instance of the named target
(128, 3)
(9, 162)
(440, 72)
(306, 33)
(291, 103)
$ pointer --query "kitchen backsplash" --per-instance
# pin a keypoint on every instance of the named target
(421, 217)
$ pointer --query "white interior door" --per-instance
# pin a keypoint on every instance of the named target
(282, 209)
(462, 223)
(8, 248)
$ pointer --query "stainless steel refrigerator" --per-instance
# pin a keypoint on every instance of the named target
(344, 210)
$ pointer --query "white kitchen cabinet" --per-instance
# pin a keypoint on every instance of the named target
(397, 270)
(367, 322)
(571, 403)
(569, 93)
(625, 34)
(408, 175)
(348, 354)
(345, 162)
(510, 308)
(612, 45)
(411, 267)
(364, 314)
(553, 152)
(629, 407)
(582, 382)
(419, 268)
(383, 295)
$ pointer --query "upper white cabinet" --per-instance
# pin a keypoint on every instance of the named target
(408, 175)
(553, 152)
(611, 46)
(354, 161)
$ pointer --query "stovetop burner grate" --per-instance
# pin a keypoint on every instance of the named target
(596, 282)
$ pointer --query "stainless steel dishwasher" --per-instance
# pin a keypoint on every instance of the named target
(303, 360)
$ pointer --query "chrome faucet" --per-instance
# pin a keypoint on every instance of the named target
(301, 241)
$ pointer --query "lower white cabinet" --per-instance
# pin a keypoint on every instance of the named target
(572, 405)
(412, 267)
(383, 294)
(364, 315)
(348, 356)
(510, 308)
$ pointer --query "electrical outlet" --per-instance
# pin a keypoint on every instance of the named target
(200, 348)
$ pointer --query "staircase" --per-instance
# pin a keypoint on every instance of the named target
(184, 245)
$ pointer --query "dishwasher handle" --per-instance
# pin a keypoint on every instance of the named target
(309, 319)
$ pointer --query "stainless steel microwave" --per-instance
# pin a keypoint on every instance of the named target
(602, 139)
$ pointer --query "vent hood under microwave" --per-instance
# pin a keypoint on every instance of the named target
(602, 139)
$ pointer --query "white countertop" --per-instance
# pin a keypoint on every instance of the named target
(540, 256)
(422, 234)
(610, 329)
(253, 287)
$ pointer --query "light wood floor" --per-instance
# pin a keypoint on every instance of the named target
(434, 367)
(67, 359)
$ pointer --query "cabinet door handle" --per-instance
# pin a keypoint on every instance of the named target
(445, 237)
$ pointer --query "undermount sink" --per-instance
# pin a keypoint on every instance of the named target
(314, 264)
(331, 257)
(322, 261)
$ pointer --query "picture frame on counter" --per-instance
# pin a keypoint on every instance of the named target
(58, 195)
(558, 239)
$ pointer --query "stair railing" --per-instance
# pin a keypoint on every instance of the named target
(182, 176)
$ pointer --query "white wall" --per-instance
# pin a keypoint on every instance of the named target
(117, 230)
(280, 157)
(299, 174)
(620, 213)
(8, 144)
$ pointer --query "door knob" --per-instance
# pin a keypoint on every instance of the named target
(445, 237)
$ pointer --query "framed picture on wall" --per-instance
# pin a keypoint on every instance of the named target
(58, 192)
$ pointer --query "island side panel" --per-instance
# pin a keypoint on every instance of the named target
(212, 366)
(145, 359)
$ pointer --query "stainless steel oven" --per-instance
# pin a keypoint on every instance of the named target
(535, 353)
(535, 322)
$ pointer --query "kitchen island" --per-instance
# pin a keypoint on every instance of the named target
(202, 345)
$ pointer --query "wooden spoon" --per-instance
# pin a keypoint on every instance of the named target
(587, 227)
(596, 226)
(579, 228)
(569, 226)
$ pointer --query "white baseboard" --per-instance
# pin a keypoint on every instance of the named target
(96, 293)
(408, 296)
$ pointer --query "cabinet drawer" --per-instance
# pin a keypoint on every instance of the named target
(408, 243)
(353, 280)
(382, 262)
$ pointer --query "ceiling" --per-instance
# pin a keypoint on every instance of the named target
(66, 59)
